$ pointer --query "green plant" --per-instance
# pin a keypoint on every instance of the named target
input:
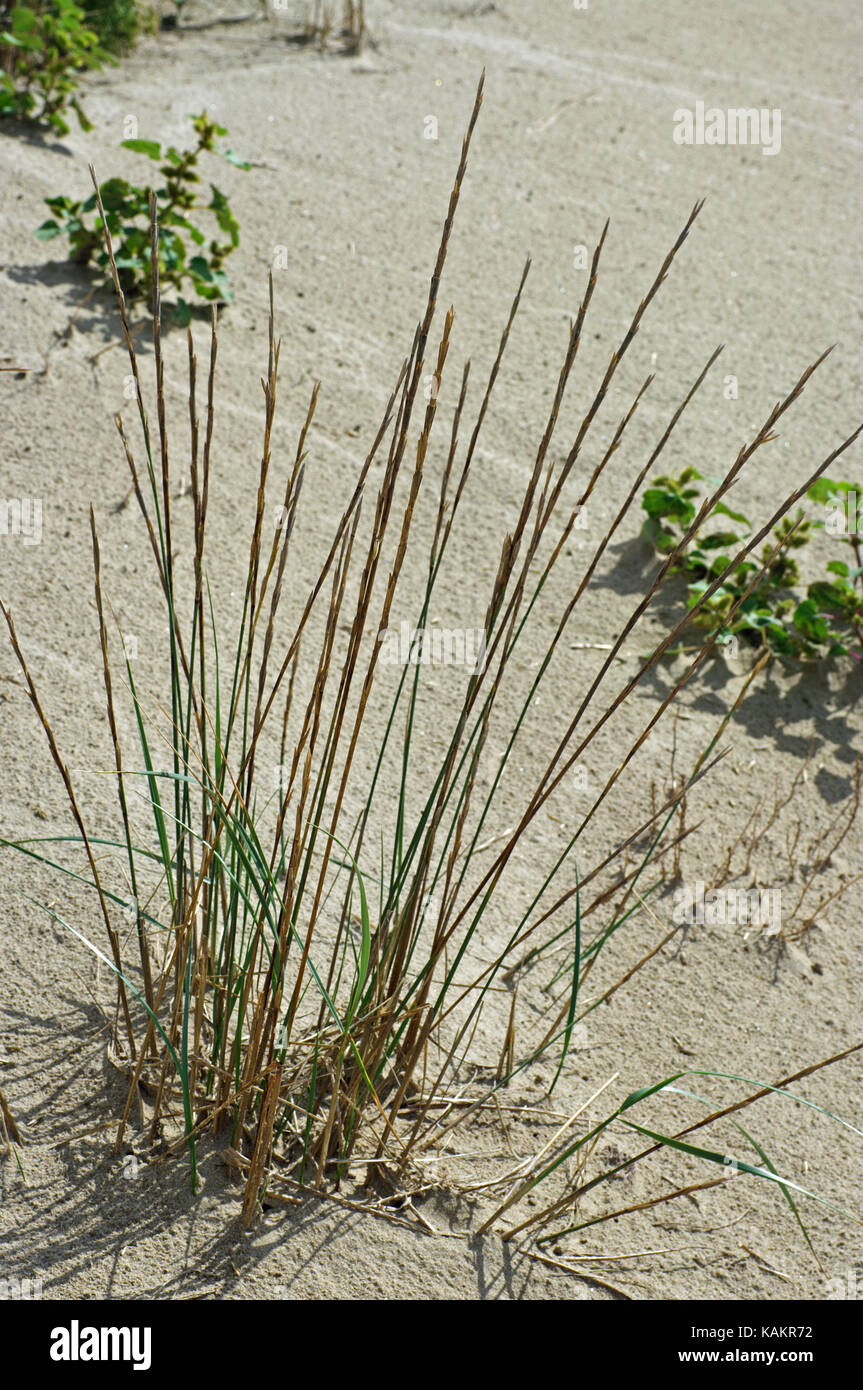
(117, 22)
(759, 602)
(127, 209)
(306, 969)
(44, 48)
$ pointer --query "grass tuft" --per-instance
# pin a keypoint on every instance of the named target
(298, 969)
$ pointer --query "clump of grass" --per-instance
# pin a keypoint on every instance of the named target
(343, 24)
(294, 986)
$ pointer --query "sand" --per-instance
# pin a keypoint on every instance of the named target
(577, 125)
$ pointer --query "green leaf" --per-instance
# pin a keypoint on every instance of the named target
(721, 510)
(225, 218)
(83, 121)
(200, 268)
(660, 502)
(120, 196)
(214, 293)
(833, 598)
(821, 491)
(718, 540)
(23, 19)
(151, 148)
(235, 159)
(827, 490)
(726, 1161)
(808, 621)
(27, 42)
(365, 949)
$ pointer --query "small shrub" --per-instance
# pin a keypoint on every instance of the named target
(827, 621)
(43, 50)
(117, 22)
(127, 208)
